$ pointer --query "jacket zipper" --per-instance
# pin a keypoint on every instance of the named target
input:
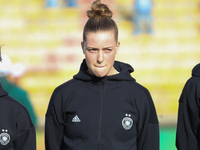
(100, 119)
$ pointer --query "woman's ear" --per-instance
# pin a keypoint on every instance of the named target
(117, 49)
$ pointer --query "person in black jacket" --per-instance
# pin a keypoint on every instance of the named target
(17, 131)
(188, 126)
(102, 107)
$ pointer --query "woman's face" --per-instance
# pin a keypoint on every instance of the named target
(100, 49)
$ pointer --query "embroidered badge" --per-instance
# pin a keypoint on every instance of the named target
(76, 119)
(4, 137)
(127, 122)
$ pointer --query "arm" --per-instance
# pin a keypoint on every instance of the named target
(54, 124)
(22, 96)
(188, 118)
(26, 137)
(148, 126)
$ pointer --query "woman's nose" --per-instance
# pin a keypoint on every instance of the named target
(100, 57)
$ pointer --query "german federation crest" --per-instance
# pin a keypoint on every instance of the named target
(127, 122)
(4, 137)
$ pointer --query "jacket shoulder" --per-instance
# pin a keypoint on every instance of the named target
(16, 109)
(191, 93)
(12, 103)
(193, 81)
(67, 85)
(141, 88)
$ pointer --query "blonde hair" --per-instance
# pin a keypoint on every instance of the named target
(100, 19)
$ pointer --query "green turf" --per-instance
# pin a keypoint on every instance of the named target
(167, 138)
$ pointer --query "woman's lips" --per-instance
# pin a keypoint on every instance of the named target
(100, 66)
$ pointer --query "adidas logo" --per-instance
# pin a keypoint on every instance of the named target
(76, 119)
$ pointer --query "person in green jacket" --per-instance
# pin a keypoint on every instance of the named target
(14, 90)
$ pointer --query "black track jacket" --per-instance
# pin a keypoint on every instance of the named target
(16, 128)
(109, 113)
(188, 127)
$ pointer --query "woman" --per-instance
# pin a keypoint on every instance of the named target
(187, 135)
(102, 107)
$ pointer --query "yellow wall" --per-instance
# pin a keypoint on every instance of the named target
(47, 42)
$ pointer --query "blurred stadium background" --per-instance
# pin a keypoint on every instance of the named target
(47, 42)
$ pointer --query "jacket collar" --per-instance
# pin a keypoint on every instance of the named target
(123, 69)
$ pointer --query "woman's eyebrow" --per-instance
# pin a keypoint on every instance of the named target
(89, 47)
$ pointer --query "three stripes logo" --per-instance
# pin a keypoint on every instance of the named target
(76, 119)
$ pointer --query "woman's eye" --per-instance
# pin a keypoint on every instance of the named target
(108, 50)
(92, 50)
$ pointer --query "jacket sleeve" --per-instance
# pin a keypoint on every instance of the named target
(188, 118)
(26, 136)
(147, 126)
(54, 124)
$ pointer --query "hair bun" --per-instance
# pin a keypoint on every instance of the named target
(99, 10)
